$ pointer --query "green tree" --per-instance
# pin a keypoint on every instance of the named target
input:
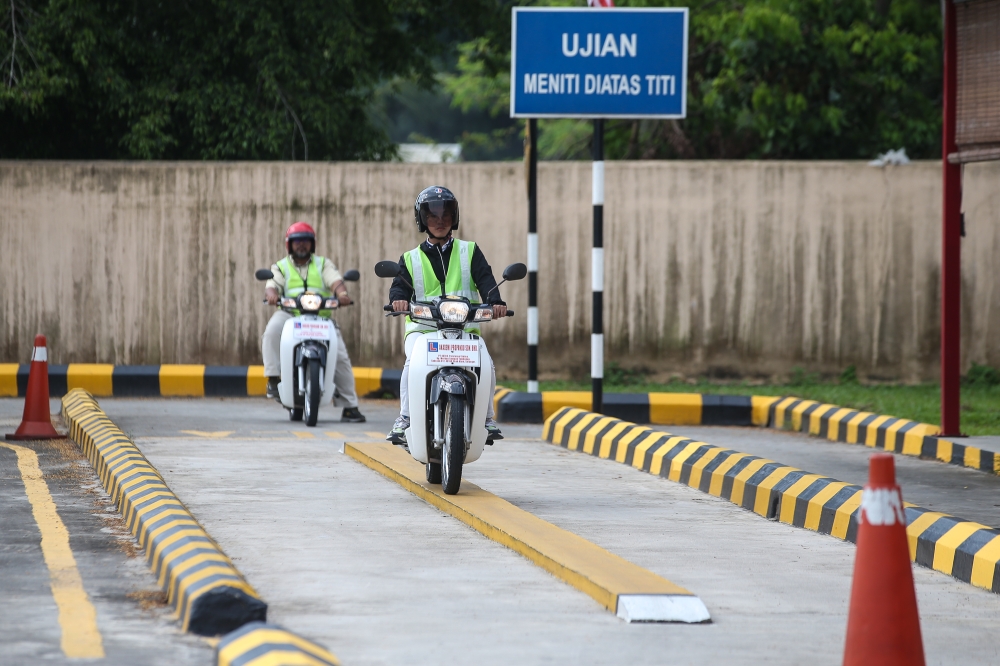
(792, 79)
(219, 79)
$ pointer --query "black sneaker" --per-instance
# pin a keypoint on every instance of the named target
(398, 433)
(272, 388)
(492, 431)
(352, 415)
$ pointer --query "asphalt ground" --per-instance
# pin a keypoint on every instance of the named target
(133, 623)
(350, 559)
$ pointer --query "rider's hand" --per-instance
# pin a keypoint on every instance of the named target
(499, 311)
(344, 298)
(400, 306)
(272, 297)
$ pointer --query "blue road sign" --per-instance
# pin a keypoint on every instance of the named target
(598, 63)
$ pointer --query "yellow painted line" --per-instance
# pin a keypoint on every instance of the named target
(209, 434)
(695, 479)
(984, 564)
(852, 426)
(94, 378)
(892, 432)
(871, 434)
(917, 527)
(740, 481)
(760, 409)
(656, 462)
(367, 380)
(553, 401)
(375, 435)
(302, 434)
(719, 474)
(833, 423)
(81, 639)
(577, 430)
(798, 411)
(639, 454)
(588, 441)
(560, 424)
(268, 635)
(814, 511)
(944, 450)
(677, 463)
(637, 431)
(256, 381)
(842, 519)
(945, 547)
(675, 408)
(790, 497)
(816, 417)
(609, 438)
(764, 488)
(182, 380)
(584, 565)
(780, 412)
(8, 380)
(972, 457)
(334, 434)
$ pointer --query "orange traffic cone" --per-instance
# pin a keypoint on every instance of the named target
(37, 422)
(883, 626)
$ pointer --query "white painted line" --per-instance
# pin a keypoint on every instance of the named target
(598, 184)
(662, 608)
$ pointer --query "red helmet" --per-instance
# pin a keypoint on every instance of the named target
(300, 231)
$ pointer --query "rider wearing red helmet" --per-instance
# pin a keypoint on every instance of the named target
(300, 270)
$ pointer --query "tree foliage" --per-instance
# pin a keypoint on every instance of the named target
(792, 79)
(217, 79)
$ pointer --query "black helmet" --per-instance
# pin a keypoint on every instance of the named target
(437, 200)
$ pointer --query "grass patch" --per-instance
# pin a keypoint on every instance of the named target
(980, 396)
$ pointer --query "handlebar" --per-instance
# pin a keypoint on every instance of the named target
(388, 308)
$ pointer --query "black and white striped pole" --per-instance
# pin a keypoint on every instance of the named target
(532, 256)
(597, 272)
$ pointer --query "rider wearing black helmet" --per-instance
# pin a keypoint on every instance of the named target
(441, 263)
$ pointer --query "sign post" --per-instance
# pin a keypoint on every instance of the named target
(604, 64)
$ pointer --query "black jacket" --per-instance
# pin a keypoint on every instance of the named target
(482, 274)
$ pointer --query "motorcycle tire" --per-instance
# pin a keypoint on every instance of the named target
(295, 414)
(313, 393)
(433, 473)
(453, 451)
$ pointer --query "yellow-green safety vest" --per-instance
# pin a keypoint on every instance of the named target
(294, 285)
(458, 280)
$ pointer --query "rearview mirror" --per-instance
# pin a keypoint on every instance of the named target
(387, 269)
(515, 272)
(263, 274)
(352, 275)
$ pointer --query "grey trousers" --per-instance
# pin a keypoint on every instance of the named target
(343, 375)
(404, 405)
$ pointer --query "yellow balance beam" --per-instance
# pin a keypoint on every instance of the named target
(633, 593)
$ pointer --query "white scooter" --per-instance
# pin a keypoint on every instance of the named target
(308, 352)
(449, 382)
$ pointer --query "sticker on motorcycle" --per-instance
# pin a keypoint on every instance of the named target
(311, 330)
(459, 352)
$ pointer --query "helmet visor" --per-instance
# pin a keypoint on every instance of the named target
(445, 210)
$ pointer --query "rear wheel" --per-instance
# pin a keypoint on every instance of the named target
(313, 392)
(433, 472)
(295, 414)
(453, 451)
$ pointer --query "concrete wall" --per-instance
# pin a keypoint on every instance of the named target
(746, 268)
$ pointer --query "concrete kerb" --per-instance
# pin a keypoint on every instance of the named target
(963, 549)
(626, 589)
(210, 597)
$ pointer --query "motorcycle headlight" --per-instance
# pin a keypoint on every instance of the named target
(454, 312)
(288, 302)
(421, 311)
(311, 302)
(484, 314)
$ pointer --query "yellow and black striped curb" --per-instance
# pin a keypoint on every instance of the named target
(842, 424)
(659, 408)
(963, 549)
(261, 644)
(207, 592)
(104, 380)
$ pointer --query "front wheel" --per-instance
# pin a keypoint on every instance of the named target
(313, 392)
(433, 472)
(453, 451)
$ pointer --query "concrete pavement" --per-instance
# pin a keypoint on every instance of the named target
(348, 558)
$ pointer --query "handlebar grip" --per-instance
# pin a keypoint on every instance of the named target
(510, 313)
(387, 308)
